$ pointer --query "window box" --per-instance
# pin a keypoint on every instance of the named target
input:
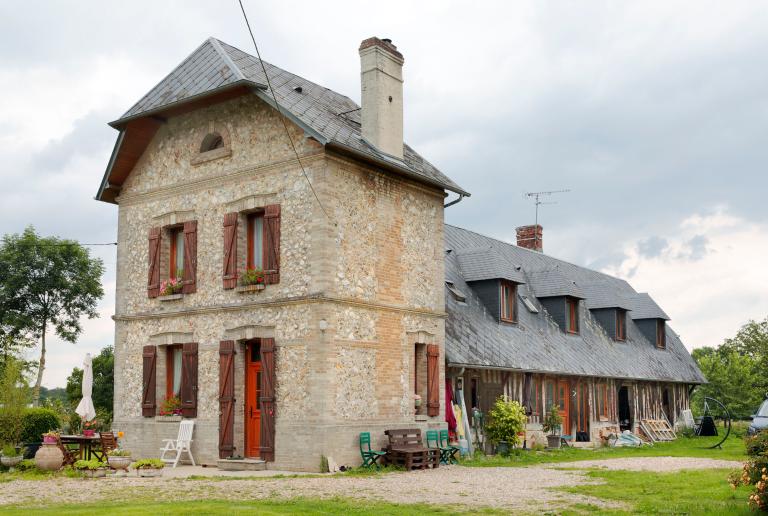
(170, 297)
(167, 419)
(244, 289)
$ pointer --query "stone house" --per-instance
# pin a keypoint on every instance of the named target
(287, 304)
(547, 332)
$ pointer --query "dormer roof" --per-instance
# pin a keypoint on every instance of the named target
(484, 263)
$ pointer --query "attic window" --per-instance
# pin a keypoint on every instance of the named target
(621, 324)
(661, 334)
(529, 304)
(572, 314)
(212, 141)
(458, 295)
(508, 304)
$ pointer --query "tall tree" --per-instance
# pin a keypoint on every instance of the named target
(48, 283)
(733, 379)
(752, 341)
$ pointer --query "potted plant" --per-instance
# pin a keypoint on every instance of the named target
(416, 401)
(49, 457)
(89, 427)
(93, 468)
(149, 467)
(253, 278)
(11, 456)
(506, 421)
(119, 459)
(51, 437)
(551, 425)
(171, 406)
(172, 286)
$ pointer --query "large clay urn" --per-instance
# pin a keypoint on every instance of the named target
(49, 457)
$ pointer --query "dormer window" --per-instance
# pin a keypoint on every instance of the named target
(661, 334)
(572, 314)
(621, 324)
(508, 304)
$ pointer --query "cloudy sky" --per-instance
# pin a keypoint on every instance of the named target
(653, 114)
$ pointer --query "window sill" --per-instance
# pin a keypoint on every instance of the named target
(245, 289)
(205, 157)
(420, 417)
(170, 297)
(167, 419)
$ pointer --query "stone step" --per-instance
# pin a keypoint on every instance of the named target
(241, 464)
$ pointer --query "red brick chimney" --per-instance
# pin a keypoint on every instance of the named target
(530, 237)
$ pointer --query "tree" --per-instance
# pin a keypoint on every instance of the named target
(733, 380)
(14, 395)
(103, 381)
(752, 341)
(47, 283)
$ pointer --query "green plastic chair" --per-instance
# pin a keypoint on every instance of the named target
(451, 450)
(369, 456)
(434, 442)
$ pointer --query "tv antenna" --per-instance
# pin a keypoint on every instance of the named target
(536, 196)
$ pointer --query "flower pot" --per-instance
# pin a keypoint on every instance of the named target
(553, 441)
(417, 403)
(150, 472)
(10, 462)
(49, 439)
(89, 433)
(49, 457)
(502, 448)
(119, 463)
(95, 473)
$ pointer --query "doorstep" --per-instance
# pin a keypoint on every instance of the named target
(241, 464)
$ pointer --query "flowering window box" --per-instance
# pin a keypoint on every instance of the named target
(170, 297)
(243, 289)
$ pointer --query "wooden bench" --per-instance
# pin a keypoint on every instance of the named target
(406, 449)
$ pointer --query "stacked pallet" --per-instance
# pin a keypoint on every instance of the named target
(658, 430)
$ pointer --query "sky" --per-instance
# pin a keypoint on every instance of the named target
(653, 114)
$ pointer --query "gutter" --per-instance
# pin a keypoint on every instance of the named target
(455, 201)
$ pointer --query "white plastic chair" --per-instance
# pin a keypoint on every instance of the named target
(688, 419)
(181, 444)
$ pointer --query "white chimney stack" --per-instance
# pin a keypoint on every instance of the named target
(382, 95)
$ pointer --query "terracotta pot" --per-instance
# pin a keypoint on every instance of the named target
(49, 457)
(89, 433)
(150, 472)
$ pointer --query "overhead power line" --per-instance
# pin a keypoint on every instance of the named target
(280, 112)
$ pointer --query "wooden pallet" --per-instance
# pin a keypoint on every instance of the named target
(658, 430)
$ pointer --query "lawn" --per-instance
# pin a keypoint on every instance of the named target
(733, 449)
(266, 507)
(687, 492)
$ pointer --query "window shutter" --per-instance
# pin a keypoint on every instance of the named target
(267, 400)
(153, 281)
(189, 380)
(272, 242)
(230, 250)
(433, 380)
(190, 257)
(226, 398)
(148, 393)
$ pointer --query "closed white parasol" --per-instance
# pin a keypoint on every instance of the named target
(85, 408)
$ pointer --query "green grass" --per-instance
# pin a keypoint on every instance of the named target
(733, 449)
(262, 507)
(687, 492)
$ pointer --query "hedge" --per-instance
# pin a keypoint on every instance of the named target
(36, 422)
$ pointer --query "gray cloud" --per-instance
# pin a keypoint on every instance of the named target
(697, 247)
(652, 247)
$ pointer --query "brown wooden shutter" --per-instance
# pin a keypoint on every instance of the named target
(190, 257)
(230, 250)
(272, 243)
(149, 383)
(267, 400)
(226, 398)
(433, 380)
(153, 280)
(189, 380)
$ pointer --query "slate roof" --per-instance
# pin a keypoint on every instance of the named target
(474, 338)
(329, 117)
(482, 263)
(644, 307)
(602, 294)
(553, 283)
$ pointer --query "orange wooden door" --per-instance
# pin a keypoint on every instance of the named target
(252, 392)
(563, 402)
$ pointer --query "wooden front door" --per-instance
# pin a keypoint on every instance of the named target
(252, 393)
(563, 399)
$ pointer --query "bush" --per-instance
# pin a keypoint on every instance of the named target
(757, 445)
(755, 471)
(26, 465)
(506, 420)
(552, 421)
(36, 422)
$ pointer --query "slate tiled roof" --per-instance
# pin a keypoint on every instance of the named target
(482, 263)
(644, 307)
(603, 294)
(330, 117)
(475, 339)
(552, 283)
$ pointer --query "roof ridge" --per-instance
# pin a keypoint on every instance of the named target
(216, 44)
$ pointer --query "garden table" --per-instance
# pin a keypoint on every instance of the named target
(407, 449)
(84, 443)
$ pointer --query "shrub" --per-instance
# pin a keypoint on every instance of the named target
(10, 450)
(506, 420)
(755, 471)
(148, 464)
(552, 421)
(757, 445)
(26, 465)
(36, 422)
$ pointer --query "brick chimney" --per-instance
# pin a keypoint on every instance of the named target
(381, 80)
(530, 237)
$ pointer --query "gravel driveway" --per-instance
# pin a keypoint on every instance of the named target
(527, 488)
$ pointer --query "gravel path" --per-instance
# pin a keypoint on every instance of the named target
(527, 488)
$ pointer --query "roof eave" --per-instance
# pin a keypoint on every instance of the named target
(345, 149)
(105, 180)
